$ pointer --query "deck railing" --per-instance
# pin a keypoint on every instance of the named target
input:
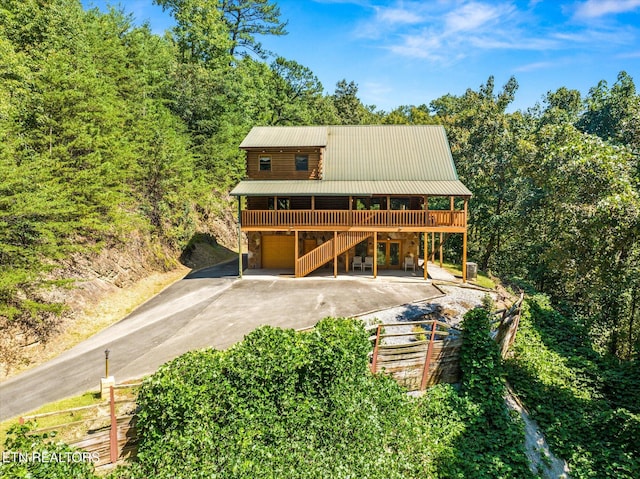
(293, 218)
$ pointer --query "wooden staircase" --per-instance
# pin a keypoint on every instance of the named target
(325, 252)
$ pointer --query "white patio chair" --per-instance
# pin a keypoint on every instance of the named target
(368, 263)
(357, 263)
(409, 263)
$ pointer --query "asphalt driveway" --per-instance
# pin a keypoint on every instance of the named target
(208, 308)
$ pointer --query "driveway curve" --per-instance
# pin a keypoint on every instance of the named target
(208, 308)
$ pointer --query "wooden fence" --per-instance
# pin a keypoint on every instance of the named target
(508, 325)
(417, 354)
(109, 433)
(420, 354)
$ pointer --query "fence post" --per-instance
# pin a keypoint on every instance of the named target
(375, 350)
(427, 361)
(113, 433)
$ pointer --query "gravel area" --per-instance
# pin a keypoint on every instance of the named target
(449, 308)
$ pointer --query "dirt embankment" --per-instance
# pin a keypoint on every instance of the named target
(101, 288)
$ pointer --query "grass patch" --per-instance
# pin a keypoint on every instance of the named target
(482, 279)
(86, 399)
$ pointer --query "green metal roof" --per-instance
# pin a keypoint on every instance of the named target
(285, 137)
(388, 152)
(348, 188)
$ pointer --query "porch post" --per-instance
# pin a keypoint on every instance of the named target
(335, 254)
(240, 237)
(375, 254)
(464, 256)
(441, 249)
(296, 253)
(426, 252)
(464, 243)
(346, 261)
(451, 206)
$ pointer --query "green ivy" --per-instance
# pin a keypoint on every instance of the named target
(586, 404)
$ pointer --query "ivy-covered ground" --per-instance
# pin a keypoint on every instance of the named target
(587, 405)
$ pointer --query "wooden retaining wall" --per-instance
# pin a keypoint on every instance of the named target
(420, 354)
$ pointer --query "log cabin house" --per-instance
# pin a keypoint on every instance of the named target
(349, 196)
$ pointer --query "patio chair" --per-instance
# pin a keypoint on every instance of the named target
(409, 263)
(368, 263)
(357, 263)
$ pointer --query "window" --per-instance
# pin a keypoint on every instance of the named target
(265, 163)
(302, 162)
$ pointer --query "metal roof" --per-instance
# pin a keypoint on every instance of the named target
(347, 188)
(388, 152)
(285, 136)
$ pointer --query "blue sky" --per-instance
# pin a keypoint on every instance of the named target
(403, 52)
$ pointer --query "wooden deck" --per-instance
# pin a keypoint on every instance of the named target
(355, 220)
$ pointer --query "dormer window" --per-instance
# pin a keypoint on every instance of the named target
(302, 162)
(265, 163)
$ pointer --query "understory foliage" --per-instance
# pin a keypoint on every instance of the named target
(586, 404)
(304, 405)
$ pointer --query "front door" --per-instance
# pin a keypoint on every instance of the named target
(389, 254)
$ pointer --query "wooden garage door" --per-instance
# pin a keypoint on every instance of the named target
(278, 252)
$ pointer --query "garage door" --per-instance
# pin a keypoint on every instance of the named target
(278, 252)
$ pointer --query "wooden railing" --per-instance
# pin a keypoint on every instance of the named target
(362, 218)
(325, 252)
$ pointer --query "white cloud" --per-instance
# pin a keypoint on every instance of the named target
(599, 8)
(445, 31)
(473, 16)
(397, 16)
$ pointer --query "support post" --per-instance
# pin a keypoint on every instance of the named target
(113, 433)
(375, 254)
(427, 361)
(346, 261)
(240, 237)
(296, 252)
(464, 242)
(464, 256)
(426, 253)
(335, 254)
(441, 249)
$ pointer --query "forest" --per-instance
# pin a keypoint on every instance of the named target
(110, 132)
